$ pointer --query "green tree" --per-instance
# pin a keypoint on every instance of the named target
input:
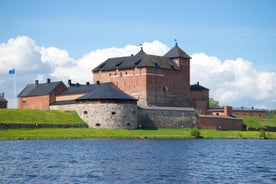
(213, 103)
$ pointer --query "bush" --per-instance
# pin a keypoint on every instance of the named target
(196, 133)
(263, 134)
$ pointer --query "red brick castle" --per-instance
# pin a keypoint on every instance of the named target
(154, 80)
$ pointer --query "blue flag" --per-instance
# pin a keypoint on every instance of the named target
(12, 71)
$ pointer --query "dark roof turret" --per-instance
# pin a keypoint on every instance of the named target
(177, 52)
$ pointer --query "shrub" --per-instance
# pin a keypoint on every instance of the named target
(195, 133)
(263, 134)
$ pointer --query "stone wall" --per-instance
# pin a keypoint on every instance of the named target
(166, 117)
(105, 115)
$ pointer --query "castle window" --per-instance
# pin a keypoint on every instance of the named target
(134, 112)
(128, 124)
(126, 73)
(110, 74)
(98, 124)
(113, 113)
(85, 112)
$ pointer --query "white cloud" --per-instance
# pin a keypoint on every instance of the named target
(232, 82)
(20, 52)
(55, 57)
(96, 57)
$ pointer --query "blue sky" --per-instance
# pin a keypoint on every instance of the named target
(227, 29)
(224, 29)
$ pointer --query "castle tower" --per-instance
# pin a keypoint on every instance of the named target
(182, 60)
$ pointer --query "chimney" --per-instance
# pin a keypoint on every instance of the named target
(69, 82)
(36, 82)
(87, 83)
(78, 84)
(228, 110)
(48, 80)
(197, 83)
(2, 95)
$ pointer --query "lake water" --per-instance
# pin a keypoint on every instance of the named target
(138, 161)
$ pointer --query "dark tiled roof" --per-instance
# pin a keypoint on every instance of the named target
(39, 89)
(78, 89)
(141, 59)
(106, 91)
(197, 87)
(177, 52)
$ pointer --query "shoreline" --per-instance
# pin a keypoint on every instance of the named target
(88, 133)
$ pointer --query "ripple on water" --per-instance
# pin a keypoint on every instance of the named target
(138, 161)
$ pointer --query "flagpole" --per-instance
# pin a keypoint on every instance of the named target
(12, 72)
(14, 103)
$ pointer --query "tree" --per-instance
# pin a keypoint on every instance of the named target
(213, 103)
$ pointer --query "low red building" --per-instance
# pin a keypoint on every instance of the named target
(249, 112)
(3, 101)
(39, 96)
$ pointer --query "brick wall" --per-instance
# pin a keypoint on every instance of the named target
(34, 102)
(152, 86)
(219, 123)
(200, 100)
(248, 112)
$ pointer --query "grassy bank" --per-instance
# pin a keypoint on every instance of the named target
(16, 116)
(24, 116)
(88, 133)
(257, 122)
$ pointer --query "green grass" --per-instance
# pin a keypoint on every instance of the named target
(16, 116)
(24, 116)
(88, 133)
(257, 122)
